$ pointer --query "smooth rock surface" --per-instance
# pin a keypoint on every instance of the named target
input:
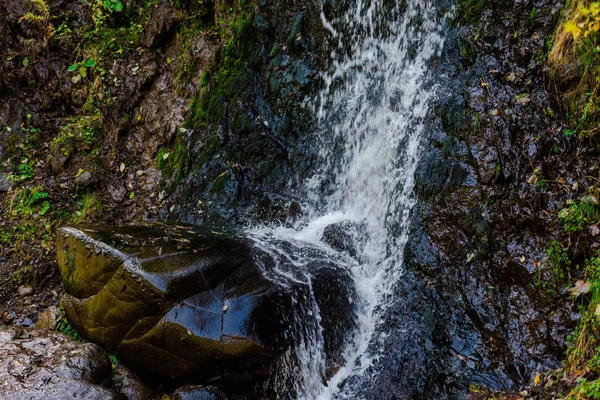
(196, 304)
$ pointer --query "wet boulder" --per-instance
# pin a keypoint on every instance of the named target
(193, 392)
(197, 304)
(342, 236)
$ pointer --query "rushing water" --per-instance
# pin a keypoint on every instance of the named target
(370, 114)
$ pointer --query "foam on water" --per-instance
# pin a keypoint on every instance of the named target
(371, 114)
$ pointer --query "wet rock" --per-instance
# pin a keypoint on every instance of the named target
(193, 304)
(9, 317)
(192, 392)
(57, 161)
(47, 319)
(5, 183)
(161, 22)
(51, 366)
(469, 307)
(117, 192)
(85, 179)
(127, 383)
(24, 290)
(27, 322)
(341, 236)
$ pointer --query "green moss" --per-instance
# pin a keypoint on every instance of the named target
(230, 75)
(80, 133)
(174, 163)
(584, 350)
(559, 260)
(579, 55)
(469, 11)
(187, 66)
(586, 390)
(90, 208)
(219, 183)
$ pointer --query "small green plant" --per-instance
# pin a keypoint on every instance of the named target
(557, 253)
(470, 11)
(80, 133)
(114, 361)
(586, 390)
(559, 260)
(39, 15)
(90, 207)
(583, 351)
(113, 5)
(63, 325)
(577, 216)
(533, 15)
(174, 163)
(24, 171)
(27, 201)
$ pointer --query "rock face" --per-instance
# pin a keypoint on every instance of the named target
(471, 308)
(191, 304)
(51, 366)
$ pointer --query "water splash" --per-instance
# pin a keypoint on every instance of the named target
(371, 114)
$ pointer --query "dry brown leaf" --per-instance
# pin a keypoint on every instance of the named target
(581, 287)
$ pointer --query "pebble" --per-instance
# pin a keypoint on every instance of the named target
(27, 322)
(9, 317)
(24, 290)
(46, 319)
(5, 183)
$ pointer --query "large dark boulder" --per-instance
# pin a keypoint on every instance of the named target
(193, 304)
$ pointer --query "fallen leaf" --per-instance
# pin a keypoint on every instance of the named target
(474, 388)
(523, 98)
(573, 29)
(570, 377)
(536, 380)
(581, 287)
(532, 179)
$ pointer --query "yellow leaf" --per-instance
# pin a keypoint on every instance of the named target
(536, 380)
(572, 28)
(584, 11)
(595, 8)
(474, 388)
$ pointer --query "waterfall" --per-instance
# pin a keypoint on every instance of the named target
(370, 113)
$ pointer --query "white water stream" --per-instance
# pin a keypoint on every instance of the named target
(371, 116)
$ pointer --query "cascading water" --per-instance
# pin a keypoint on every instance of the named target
(370, 116)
